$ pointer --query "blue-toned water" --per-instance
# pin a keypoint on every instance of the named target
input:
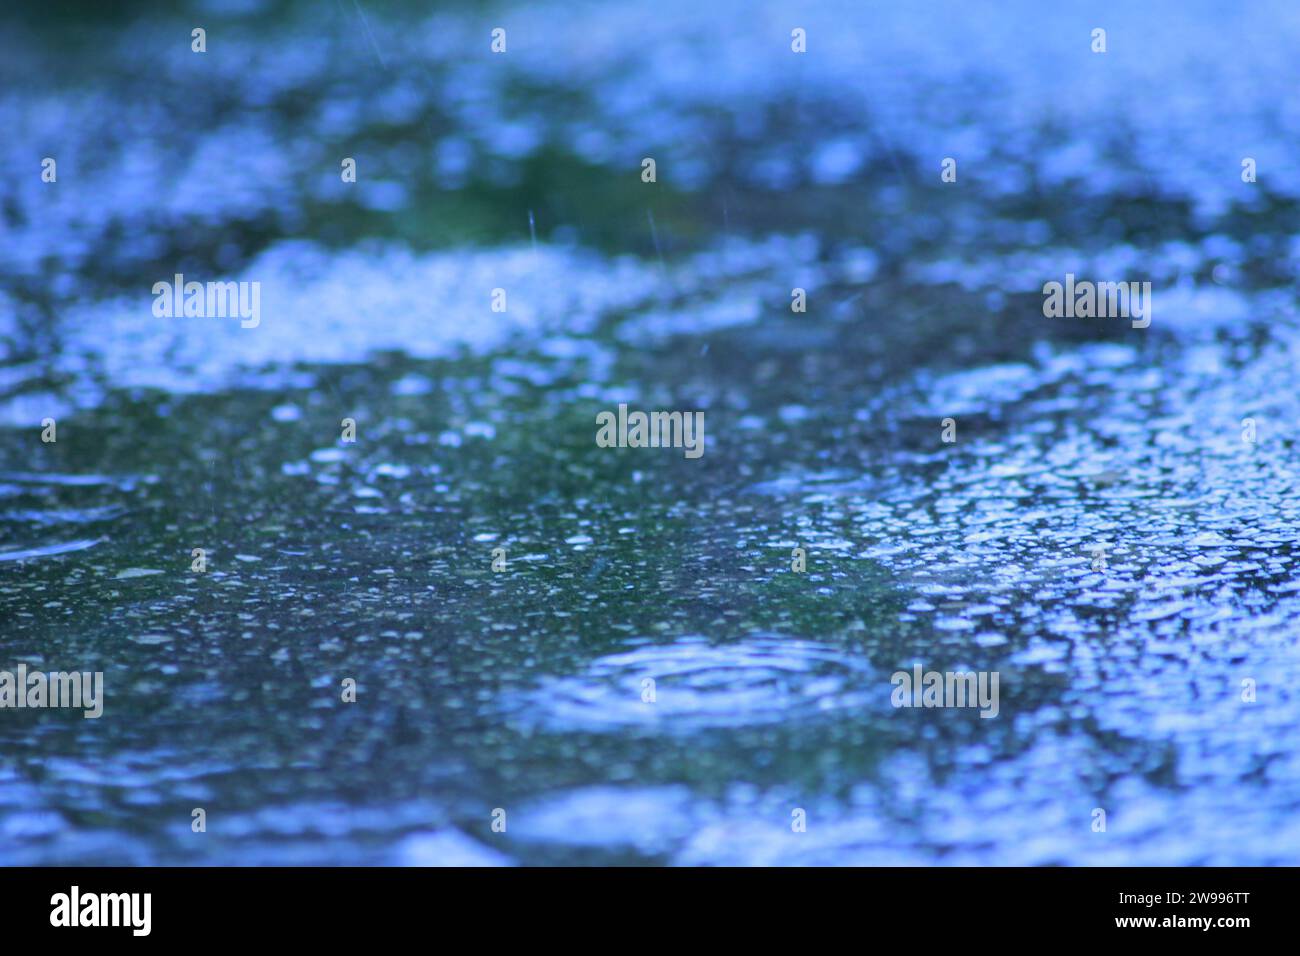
(648, 680)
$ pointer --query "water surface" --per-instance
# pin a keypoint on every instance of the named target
(522, 690)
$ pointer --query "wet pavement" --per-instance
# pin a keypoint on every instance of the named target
(524, 690)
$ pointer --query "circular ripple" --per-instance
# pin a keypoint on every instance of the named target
(696, 683)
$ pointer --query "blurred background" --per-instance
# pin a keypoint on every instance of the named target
(521, 690)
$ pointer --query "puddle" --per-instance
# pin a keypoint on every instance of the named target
(1111, 527)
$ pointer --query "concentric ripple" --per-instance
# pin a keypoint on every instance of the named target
(692, 683)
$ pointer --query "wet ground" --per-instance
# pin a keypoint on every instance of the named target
(522, 689)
